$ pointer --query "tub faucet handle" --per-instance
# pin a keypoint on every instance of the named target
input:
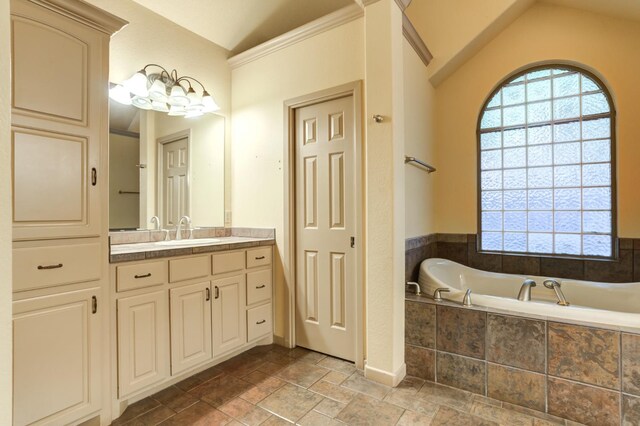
(466, 301)
(416, 285)
(437, 294)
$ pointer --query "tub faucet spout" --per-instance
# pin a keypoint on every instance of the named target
(525, 291)
(466, 301)
(417, 286)
(555, 286)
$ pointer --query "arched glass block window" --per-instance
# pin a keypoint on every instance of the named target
(546, 165)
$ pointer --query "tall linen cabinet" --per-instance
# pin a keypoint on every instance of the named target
(60, 64)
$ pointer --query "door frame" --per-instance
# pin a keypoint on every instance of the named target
(160, 142)
(353, 89)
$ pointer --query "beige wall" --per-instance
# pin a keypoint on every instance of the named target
(124, 154)
(6, 401)
(259, 90)
(607, 46)
(420, 123)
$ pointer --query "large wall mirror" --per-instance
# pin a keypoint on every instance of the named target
(165, 166)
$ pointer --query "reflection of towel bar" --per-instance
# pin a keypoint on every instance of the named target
(128, 192)
(430, 168)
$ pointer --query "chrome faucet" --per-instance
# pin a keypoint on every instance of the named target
(466, 301)
(525, 290)
(186, 219)
(437, 293)
(555, 286)
(411, 283)
(155, 220)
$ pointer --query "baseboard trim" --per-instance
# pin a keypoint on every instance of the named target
(281, 341)
(385, 377)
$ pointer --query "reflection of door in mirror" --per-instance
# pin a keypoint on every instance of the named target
(174, 167)
(124, 158)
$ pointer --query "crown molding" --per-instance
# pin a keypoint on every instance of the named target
(414, 39)
(402, 4)
(320, 25)
(85, 13)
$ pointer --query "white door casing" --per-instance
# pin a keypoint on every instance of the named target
(325, 193)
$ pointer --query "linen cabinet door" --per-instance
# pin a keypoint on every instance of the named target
(229, 320)
(143, 355)
(56, 358)
(190, 326)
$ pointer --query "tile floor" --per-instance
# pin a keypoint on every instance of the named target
(272, 385)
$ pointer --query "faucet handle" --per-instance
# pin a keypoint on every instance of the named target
(466, 301)
(436, 294)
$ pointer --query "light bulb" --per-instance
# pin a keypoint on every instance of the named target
(119, 94)
(158, 91)
(208, 102)
(137, 83)
(141, 102)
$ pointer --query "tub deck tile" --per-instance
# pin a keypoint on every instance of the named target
(516, 342)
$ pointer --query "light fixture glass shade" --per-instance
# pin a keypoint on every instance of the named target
(177, 110)
(158, 91)
(159, 106)
(196, 112)
(178, 97)
(137, 84)
(119, 94)
(208, 102)
(141, 102)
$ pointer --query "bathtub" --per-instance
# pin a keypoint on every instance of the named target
(615, 306)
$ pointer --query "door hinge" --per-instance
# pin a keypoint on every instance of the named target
(353, 242)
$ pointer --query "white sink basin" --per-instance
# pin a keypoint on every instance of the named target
(188, 242)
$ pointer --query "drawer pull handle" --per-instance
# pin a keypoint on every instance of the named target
(142, 276)
(58, 266)
(260, 286)
(94, 304)
(259, 257)
(208, 294)
(261, 322)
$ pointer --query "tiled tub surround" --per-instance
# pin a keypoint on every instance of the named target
(583, 374)
(462, 248)
(128, 246)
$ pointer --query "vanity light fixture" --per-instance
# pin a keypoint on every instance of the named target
(163, 91)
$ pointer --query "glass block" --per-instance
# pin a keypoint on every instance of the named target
(515, 157)
(595, 104)
(566, 108)
(538, 74)
(566, 85)
(540, 199)
(513, 94)
(491, 200)
(540, 177)
(567, 244)
(596, 198)
(539, 155)
(540, 221)
(541, 243)
(596, 151)
(514, 137)
(490, 140)
(564, 176)
(513, 116)
(567, 221)
(515, 200)
(538, 112)
(588, 85)
(492, 221)
(491, 159)
(495, 101)
(597, 245)
(567, 199)
(539, 135)
(539, 90)
(566, 132)
(566, 153)
(596, 221)
(515, 179)
(515, 221)
(515, 242)
(596, 174)
(492, 241)
(596, 129)
(491, 118)
(491, 180)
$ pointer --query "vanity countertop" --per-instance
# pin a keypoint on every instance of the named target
(154, 250)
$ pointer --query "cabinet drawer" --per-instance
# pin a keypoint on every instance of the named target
(259, 322)
(38, 267)
(141, 275)
(258, 286)
(258, 257)
(227, 262)
(188, 268)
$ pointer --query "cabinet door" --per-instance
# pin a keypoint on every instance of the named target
(56, 358)
(143, 354)
(229, 330)
(190, 326)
